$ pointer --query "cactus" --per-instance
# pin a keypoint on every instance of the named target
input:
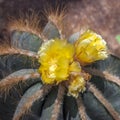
(84, 88)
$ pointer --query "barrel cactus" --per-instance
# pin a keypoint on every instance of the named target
(46, 76)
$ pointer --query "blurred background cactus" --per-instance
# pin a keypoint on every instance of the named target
(23, 95)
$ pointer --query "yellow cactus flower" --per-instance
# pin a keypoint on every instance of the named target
(76, 86)
(55, 57)
(60, 61)
(90, 47)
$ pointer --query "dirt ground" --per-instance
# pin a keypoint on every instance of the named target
(102, 16)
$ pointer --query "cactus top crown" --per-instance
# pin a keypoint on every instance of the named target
(61, 61)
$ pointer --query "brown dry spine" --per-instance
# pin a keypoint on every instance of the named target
(7, 83)
(104, 74)
(26, 106)
(5, 49)
(106, 104)
(81, 108)
(25, 22)
(56, 17)
(58, 103)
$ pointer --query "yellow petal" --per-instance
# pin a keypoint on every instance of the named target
(75, 67)
(76, 86)
(90, 47)
(55, 57)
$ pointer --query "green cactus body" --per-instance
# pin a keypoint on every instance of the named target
(25, 40)
(51, 102)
